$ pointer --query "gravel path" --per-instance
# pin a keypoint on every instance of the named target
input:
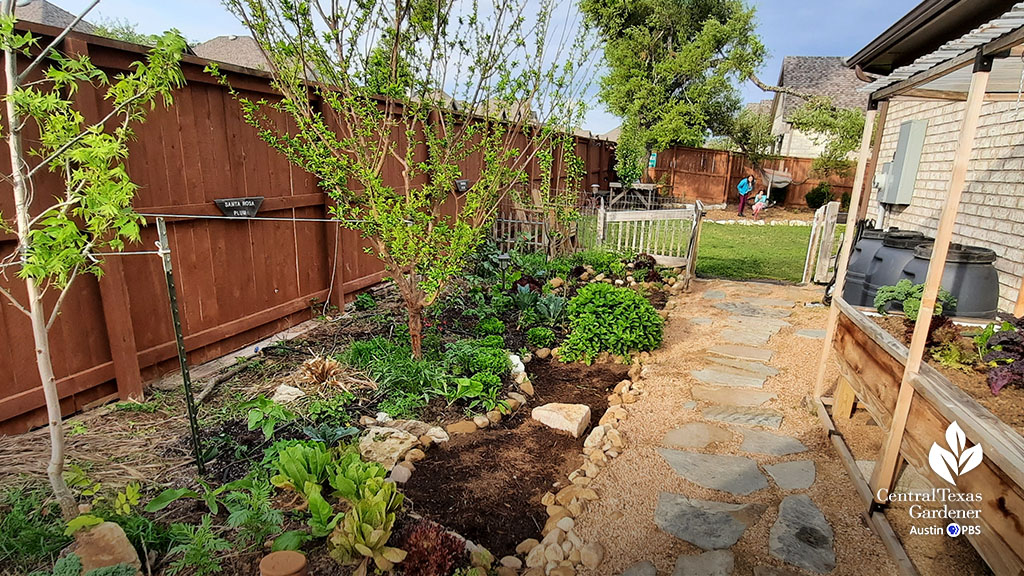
(623, 520)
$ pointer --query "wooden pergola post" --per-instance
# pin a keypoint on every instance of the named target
(844, 252)
(885, 470)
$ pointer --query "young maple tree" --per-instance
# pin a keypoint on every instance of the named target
(57, 240)
(394, 103)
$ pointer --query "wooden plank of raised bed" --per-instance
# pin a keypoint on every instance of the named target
(872, 372)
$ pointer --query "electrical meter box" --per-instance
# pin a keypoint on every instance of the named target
(897, 183)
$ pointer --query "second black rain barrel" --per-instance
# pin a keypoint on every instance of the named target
(970, 275)
(886, 267)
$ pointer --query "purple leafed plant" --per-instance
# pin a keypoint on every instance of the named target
(1006, 357)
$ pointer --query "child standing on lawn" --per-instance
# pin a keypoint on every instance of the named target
(760, 203)
(744, 187)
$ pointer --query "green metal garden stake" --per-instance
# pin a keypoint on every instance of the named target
(190, 404)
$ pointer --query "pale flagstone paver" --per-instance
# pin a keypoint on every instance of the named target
(760, 323)
(744, 309)
(725, 378)
(703, 523)
(690, 405)
(797, 475)
(732, 396)
(813, 334)
(733, 474)
(742, 352)
(733, 370)
(696, 435)
(745, 338)
(777, 302)
(802, 536)
(714, 563)
(758, 442)
(701, 321)
(645, 568)
(714, 295)
(744, 416)
(745, 365)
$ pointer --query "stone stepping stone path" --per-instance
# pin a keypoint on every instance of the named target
(715, 563)
(763, 417)
(766, 323)
(701, 321)
(733, 474)
(696, 435)
(741, 352)
(732, 396)
(801, 536)
(757, 442)
(812, 334)
(777, 302)
(703, 523)
(745, 366)
(798, 475)
(728, 378)
(714, 295)
(745, 338)
(745, 309)
(773, 571)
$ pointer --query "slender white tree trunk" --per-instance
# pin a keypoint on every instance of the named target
(37, 312)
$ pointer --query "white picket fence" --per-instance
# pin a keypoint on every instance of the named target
(822, 246)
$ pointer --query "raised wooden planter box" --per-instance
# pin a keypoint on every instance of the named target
(872, 361)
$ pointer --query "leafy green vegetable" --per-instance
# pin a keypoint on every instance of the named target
(301, 465)
(363, 533)
(540, 337)
(266, 415)
(605, 318)
(909, 296)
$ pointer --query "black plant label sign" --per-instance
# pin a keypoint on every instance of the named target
(239, 207)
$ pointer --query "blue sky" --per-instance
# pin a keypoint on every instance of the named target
(787, 27)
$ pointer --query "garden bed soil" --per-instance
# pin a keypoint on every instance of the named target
(487, 486)
(1008, 406)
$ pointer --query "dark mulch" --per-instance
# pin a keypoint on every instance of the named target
(487, 486)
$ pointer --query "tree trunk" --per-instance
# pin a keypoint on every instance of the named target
(37, 312)
(415, 328)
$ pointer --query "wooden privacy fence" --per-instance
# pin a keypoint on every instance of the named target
(239, 281)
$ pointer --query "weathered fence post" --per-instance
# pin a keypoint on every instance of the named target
(828, 237)
(602, 221)
(819, 216)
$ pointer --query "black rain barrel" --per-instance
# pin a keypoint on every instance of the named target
(887, 264)
(854, 290)
(970, 275)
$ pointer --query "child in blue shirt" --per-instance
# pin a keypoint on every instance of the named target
(744, 188)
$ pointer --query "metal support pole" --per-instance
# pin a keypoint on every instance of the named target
(190, 404)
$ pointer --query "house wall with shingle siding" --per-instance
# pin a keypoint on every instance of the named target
(992, 209)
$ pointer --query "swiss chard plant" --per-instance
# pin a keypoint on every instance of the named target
(1006, 357)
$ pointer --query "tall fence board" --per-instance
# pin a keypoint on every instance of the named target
(238, 281)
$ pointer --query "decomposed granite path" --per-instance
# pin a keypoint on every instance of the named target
(725, 473)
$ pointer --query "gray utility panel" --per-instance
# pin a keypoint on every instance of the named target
(900, 175)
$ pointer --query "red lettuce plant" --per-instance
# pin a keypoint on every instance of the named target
(1006, 357)
(432, 550)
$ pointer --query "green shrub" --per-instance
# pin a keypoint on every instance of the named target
(487, 381)
(490, 327)
(819, 196)
(364, 301)
(540, 337)
(392, 366)
(459, 354)
(605, 318)
(490, 361)
(603, 261)
(31, 529)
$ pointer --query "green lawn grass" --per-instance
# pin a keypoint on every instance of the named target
(752, 252)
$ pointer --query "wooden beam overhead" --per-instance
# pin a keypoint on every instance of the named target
(934, 94)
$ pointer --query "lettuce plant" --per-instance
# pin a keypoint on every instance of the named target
(363, 534)
(1006, 356)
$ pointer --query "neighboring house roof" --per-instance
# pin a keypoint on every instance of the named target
(612, 135)
(237, 50)
(819, 76)
(762, 107)
(48, 14)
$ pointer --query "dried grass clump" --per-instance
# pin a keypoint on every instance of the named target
(321, 370)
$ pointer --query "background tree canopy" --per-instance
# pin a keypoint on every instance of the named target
(673, 67)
